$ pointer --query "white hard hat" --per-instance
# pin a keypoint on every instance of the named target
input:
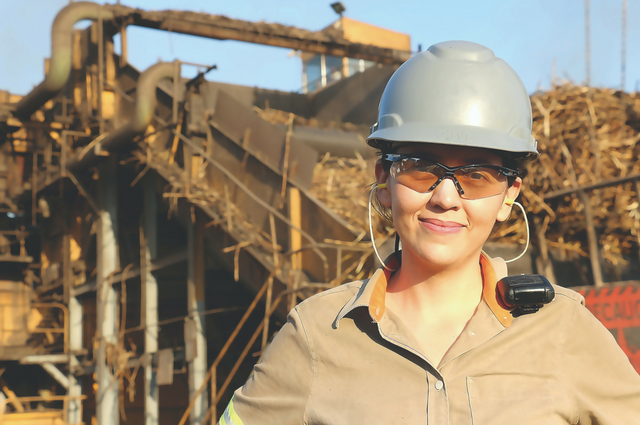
(456, 93)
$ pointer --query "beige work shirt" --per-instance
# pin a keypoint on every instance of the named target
(343, 359)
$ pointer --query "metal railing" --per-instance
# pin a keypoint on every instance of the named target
(64, 330)
(225, 212)
(23, 406)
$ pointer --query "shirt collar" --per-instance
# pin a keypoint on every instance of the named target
(373, 291)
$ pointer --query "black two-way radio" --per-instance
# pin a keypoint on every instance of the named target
(524, 294)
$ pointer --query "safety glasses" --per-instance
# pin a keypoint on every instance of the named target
(474, 181)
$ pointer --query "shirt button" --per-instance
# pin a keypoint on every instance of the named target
(439, 385)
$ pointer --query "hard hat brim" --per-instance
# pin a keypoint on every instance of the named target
(457, 135)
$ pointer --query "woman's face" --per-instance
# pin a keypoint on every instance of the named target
(440, 227)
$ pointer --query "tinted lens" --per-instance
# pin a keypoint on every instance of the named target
(416, 174)
(476, 182)
(480, 182)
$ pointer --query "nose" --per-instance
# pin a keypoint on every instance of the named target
(446, 195)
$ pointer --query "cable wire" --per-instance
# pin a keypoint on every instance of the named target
(526, 246)
(373, 240)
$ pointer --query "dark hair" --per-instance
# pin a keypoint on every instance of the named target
(383, 147)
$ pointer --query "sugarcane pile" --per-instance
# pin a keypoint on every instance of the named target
(276, 116)
(585, 135)
(343, 184)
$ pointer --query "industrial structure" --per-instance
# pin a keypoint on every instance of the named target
(156, 230)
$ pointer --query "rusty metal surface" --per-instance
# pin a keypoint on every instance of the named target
(211, 153)
(262, 139)
(266, 143)
(224, 28)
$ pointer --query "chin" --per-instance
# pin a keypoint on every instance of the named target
(442, 256)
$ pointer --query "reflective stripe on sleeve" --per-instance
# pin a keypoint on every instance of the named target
(230, 417)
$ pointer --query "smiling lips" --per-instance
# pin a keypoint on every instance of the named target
(441, 227)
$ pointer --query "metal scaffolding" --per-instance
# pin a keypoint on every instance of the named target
(144, 194)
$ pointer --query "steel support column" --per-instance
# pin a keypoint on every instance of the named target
(74, 406)
(195, 300)
(107, 410)
(74, 388)
(149, 308)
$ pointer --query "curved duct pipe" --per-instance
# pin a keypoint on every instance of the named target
(61, 55)
(146, 102)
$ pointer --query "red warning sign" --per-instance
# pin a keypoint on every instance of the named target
(618, 308)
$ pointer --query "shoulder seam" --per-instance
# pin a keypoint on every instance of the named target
(569, 293)
(313, 364)
(577, 299)
(566, 296)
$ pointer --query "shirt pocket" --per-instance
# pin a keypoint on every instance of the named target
(514, 399)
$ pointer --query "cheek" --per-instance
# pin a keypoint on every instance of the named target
(482, 213)
(405, 202)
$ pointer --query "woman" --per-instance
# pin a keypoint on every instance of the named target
(425, 340)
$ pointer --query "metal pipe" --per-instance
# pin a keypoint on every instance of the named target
(100, 70)
(149, 302)
(62, 51)
(107, 256)
(61, 55)
(195, 306)
(56, 374)
(345, 144)
(146, 102)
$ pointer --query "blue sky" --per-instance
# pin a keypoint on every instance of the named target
(529, 34)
